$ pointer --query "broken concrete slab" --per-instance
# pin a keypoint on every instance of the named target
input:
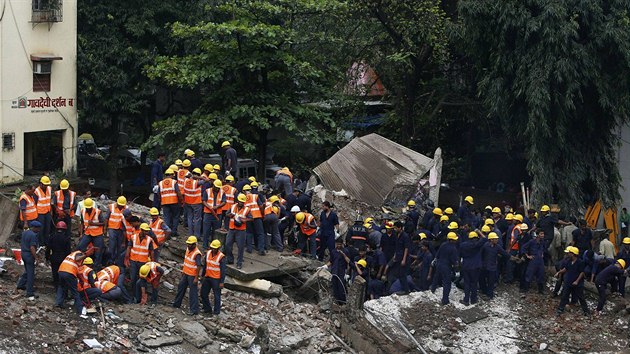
(229, 334)
(274, 264)
(150, 340)
(472, 314)
(356, 293)
(246, 341)
(310, 289)
(195, 333)
(9, 213)
(260, 287)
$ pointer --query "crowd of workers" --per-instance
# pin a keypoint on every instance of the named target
(412, 252)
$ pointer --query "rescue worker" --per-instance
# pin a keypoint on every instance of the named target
(91, 230)
(448, 212)
(213, 200)
(44, 210)
(110, 291)
(150, 274)
(328, 225)
(573, 282)
(624, 253)
(192, 202)
(490, 254)
(64, 204)
(216, 168)
(513, 247)
(214, 276)
(170, 198)
(161, 231)
(86, 278)
(255, 228)
(29, 243)
(609, 275)
(230, 194)
(306, 237)
(534, 250)
(68, 278)
(182, 175)
(470, 251)
(28, 206)
(399, 265)
(357, 235)
(239, 215)
(271, 220)
(422, 265)
(59, 246)
(388, 241)
(230, 160)
(190, 278)
(583, 237)
(411, 218)
(446, 259)
(464, 213)
(157, 170)
(194, 161)
(284, 181)
(140, 250)
(115, 227)
(338, 265)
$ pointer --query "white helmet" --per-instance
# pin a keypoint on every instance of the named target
(295, 209)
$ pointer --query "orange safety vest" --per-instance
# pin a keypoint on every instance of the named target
(83, 275)
(211, 200)
(104, 285)
(252, 203)
(153, 273)
(60, 200)
(213, 269)
(159, 232)
(69, 265)
(513, 241)
(43, 199)
(229, 192)
(305, 226)
(269, 209)
(181, 178)
(129, 229)
(168, 195)
(31, 209)
(88, 229)
(110, 273)
(192, 191)
(115, 217)
(140, 249)
(190, 266)
(242, 213)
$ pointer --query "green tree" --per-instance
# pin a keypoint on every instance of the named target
(556, 74)
(259, 65)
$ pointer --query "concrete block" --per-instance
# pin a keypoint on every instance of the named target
(9, 212)
(260, 287)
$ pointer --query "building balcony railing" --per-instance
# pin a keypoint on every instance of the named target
(47, 11)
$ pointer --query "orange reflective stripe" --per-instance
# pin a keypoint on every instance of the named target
(83, 275)
(31, 209)
(88, 229)
(156, 227)
(140, 249)
(153, 273)
(104, 285)
(252, 203)
(115, 217)
(213, 269)
(190, 266)
(168, 195)
(60, 199)
(110, 273)
(181, 178)
(305, 226)
(192, 191)
(211, 200)
(69, 265)
(229, 192)
(240, 213)
(43, 199)
(513, 242)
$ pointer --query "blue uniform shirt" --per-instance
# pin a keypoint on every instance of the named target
(29, 238)
(490, 255)
(536, 249)
(327, 223)
(338, 264)
(447, 255)
(388, 244)
(471, 253)
(608, 274)
(573, 272)
(402, 243)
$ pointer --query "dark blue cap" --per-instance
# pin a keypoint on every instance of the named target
(35, 223)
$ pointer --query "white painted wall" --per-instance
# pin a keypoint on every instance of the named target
(18, 40)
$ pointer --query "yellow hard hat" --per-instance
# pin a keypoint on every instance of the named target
(422, 235)
(362, 263)
(190, 153)
(509, 216)
(122, 201)
(485, 228)
(453, 225)
(45, 180)
(88, 203)
(496, 210)
(626, 241)
(247, 187)
(489, 221)
(274, 198)
(389, 225)
(572, 249)
(523, 226)
(443, 218)
(216, 167)
(448, 211)
(186, 163)
(88, 261)
(144, 271)
(469, 199)
(437, 211)
(145, 227)
(217, 183)
(518, 217)
(242, 198)
(369, 220)
(178, 162)
(367, 225)
(213, 176)
(275, 209)
(493, 236)
(208, 167)
(452, 236)
(252, 179)
(64, 184)
(196, 171)
(215, 244)
(622, 262)
(473, 234)
(545, 208)
(225, 143)
(174, 167)
(254, 184)
(411, 203)
(229, 178)
(299, 217)
(191, 240)
(154, 211)
(169, 171)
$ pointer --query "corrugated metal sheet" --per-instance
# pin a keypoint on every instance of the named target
(369, 167)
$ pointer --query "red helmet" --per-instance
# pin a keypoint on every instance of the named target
(61, 225)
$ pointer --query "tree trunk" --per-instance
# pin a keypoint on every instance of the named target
(113, 160)
(261, 150)
(409, 98)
